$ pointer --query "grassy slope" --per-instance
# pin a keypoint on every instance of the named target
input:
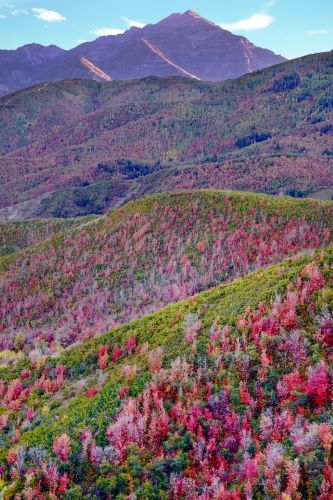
(174, 121)
(17, 236)
(71, 411)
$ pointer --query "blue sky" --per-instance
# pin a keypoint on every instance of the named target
(289, 27)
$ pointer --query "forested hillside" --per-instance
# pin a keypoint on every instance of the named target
(79, 147)
(224, 395)
(149, 253)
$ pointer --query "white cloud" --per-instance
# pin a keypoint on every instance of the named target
(318, 32)
(255, 22)
(78, 42)
(106, 31)
(132, 22)
(2, 17)
(18, 12)
(49, 16)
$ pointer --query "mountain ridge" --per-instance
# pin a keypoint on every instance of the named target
(194, 45)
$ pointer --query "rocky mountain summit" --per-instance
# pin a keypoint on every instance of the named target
(180, 45)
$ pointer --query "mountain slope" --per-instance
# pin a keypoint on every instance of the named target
(95, 145)
(189, 45)
(245, 409)
(16, 236)
(143, 256)
(18, 66)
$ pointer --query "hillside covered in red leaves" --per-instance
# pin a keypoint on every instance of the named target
(209, 398)
(153, 252)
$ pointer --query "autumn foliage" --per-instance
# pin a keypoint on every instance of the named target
(140, 258)
(246, 411)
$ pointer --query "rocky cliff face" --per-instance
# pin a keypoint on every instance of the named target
(182, 44)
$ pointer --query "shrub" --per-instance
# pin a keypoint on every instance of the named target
(243, 142)
(286, 82)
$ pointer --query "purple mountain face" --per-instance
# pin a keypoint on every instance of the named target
(180, 45)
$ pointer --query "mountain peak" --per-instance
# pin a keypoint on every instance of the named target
(181, 19)
(38, 46)
(188, 19)
(191, 13)
(183, 43)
